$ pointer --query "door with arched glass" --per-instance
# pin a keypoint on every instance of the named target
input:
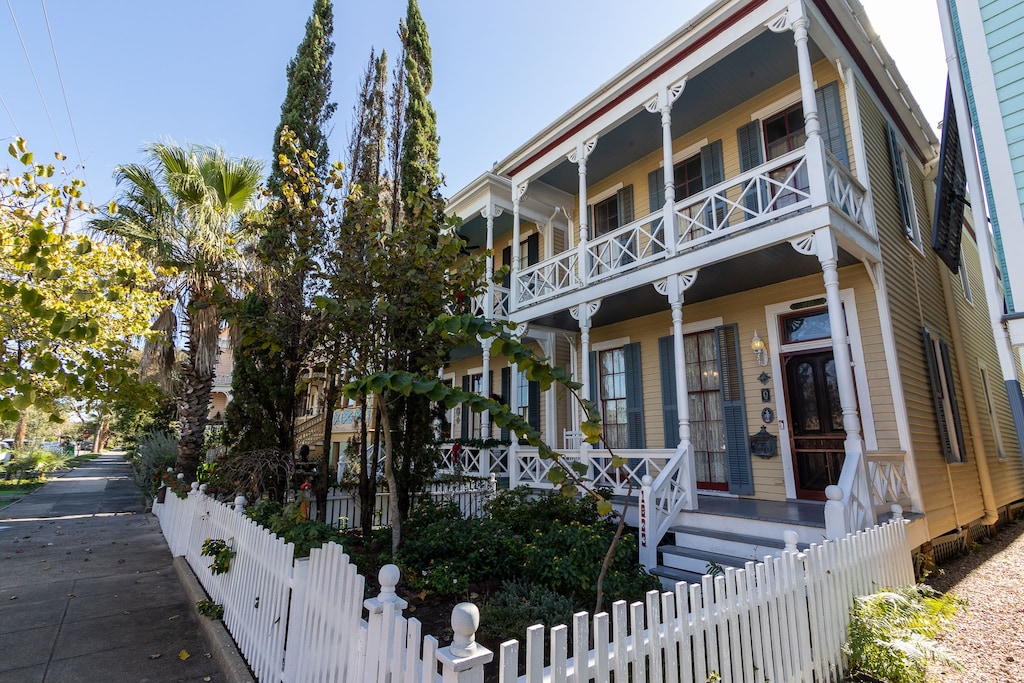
(816, 421)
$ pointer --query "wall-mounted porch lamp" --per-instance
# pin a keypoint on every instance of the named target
(760, 349)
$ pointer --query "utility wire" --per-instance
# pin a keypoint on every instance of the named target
(11, 116)
(64, 92)
(31, 69)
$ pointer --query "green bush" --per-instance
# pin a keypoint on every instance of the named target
(34, 463)
(288, 522)
(156, 451)
(521, 604)
(892, 633)
(443, 553)
(567, 558)
(524, 512)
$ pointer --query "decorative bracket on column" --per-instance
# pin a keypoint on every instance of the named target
(804, 244)
(585, 311)
(845, 73)
(485, 342)
(682, 282)
(486, 212)
(519, 190)
(519, 330)
(666, 97)
(780, 23)
(581, 153)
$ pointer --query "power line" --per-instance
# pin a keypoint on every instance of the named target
(67, 107)
(11, 116)
(32, 70)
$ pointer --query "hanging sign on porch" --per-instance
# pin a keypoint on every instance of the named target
(763, 444)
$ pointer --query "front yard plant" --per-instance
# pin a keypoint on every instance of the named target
(220, 551)
(892, 633)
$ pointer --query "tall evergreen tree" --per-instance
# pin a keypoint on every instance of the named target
(276, 337)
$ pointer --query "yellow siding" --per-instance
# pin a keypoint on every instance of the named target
(950, 493)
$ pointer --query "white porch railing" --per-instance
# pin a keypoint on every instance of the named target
(887, 477)
(344, 511)
(548, 278)
(662, 496)
(474, 461)
(625, 248)
(849, 507)
(501, 299)
(845, 192)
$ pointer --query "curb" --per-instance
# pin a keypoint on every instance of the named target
(222, 645)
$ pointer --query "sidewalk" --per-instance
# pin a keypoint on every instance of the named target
(88, 591)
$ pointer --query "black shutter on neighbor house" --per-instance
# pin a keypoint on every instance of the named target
(635, 437)
(533, 249)
(899, 179)
(950, 191)
(506, 395)
(506, 260)
(533, 409)
(734, 410)
(466, 412)
(669, 403)
(830, 116)
(751, 150)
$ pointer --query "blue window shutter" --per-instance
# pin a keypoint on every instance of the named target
(624, 202)
(830, 116)
(506, 395)
(533, 249)
(712, 171)
(899, 180)
(465, 409)
(656, 189)
(533, 410)
(748, 139)
(669, 411)
(506, 260)
(635, 437)
(734, 411)
(593, 377)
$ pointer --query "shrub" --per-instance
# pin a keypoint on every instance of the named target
(523, 511)
(892, 633)
(155, 453)
(567, 558)
(443, 553)
(521, 604)
(31, 464)
(288, 522)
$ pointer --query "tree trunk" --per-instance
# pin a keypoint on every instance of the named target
(321, 484)
(19, 432)
(389, 473)
(99, 441)
(194, 413)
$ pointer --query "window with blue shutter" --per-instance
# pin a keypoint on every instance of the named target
(506, 396)
(830, 117)
(669, 411)
(656, 201)
(734, 411)
(751, 150)
(712, 169)
(635, 437)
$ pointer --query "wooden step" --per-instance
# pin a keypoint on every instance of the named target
(671, 575)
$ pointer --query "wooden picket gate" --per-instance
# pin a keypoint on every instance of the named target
(777, 621)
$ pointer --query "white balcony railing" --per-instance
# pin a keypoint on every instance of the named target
(625, 248)
(474, 461)
(846, 193)
(548, 278)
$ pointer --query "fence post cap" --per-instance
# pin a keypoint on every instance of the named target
(194, 488)
(202, 488)
(239, 503)
(897, 511)
(834, 493)
(647, 481)
(464, 657)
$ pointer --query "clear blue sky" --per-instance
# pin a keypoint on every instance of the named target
(212, 71)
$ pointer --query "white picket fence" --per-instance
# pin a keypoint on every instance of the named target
(775, 621)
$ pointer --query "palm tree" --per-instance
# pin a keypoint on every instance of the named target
(185, 207)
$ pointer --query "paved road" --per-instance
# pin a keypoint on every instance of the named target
(88, 592)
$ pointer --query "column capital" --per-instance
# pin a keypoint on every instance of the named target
(666, 97)
(518, 191)
(674, 285)
(584, 312)
(582, 152)
(491, 212)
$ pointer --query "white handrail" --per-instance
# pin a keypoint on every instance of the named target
(661, 499)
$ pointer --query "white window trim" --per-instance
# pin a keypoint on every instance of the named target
(685, 153)
(990, 406)
(784, 102)
(610, 344)
(604, 194)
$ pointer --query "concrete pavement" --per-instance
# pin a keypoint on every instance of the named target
(88, 591)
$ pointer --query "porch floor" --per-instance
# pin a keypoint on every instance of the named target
(802, 512)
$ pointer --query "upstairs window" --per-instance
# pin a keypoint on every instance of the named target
(784, 131)
(901, 184)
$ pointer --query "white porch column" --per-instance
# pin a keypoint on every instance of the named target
(517, 194)
(662, 103)
(485, 417)
(579, 156)
(489, 214)
(796, 19)
(584, 313)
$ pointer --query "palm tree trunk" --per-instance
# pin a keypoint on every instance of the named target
(194, 412)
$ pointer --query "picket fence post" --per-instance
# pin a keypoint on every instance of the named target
(240, 504)
(296, 608)
(463, 661)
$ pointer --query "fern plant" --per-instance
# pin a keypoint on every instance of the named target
(892, 633)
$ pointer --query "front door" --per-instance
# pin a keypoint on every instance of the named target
(816, 422)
